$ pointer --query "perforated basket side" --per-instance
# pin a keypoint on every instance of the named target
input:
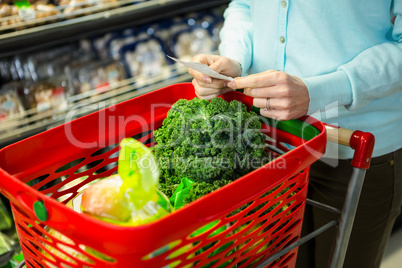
(253, 230)
(244, 236)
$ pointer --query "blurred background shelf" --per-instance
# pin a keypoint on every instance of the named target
(39, 56)
(75, 57)
(79, 105)
(62, 28)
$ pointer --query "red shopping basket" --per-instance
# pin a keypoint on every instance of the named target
(247, 220)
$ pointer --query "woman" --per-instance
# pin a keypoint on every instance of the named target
(341, 62)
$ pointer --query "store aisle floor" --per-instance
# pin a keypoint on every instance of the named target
(393, 251)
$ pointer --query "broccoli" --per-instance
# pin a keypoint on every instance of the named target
(208, 141)
(199, 189)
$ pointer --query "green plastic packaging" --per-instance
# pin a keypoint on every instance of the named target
(131, 196)
(177, 198)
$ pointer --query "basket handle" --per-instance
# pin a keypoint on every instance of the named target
(361, 142)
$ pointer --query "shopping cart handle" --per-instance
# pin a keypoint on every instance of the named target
(361, 142)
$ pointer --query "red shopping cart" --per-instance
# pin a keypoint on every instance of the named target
(256, 220)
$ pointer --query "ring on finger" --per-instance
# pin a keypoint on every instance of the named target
(267, 105)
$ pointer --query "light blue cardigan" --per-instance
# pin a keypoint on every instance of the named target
(347, 52)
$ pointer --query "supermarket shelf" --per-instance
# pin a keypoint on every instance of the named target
(32, 122)
(116, 17)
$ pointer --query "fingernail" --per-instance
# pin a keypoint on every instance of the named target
(225, 84)
(231, 84)
(207, 79)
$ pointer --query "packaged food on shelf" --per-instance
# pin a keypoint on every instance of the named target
(114, 44)
(18, 15)
(202, 18)
(17, 67)
(175, 25)
(47, 65)
(45, 13)
(5, 72)
(99, 44)
(8, 15)
(216, 29)
(190, 42)
(213, 21)
(165, 29)
(100, 76)
(5, 10)
(76, 8)
(145, 59)
(72, 71)
(22, 14)
(69, 6)
(46, 95)
(10, 104)
(12, 69)
(193, 35)
(50, 80)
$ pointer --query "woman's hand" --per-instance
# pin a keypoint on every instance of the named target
(285, 96)
(207, 87)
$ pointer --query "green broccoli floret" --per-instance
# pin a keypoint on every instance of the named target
(199, 189)
(167, 189)
(168, 184)
(207, 141)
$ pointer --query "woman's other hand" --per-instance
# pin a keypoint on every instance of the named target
(279, 95)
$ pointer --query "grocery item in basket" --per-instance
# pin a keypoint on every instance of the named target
(188, 191)
(208, 141)
(234, 195)
(58, 253)
(129, 197)
(180, 193)
(216, 29)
